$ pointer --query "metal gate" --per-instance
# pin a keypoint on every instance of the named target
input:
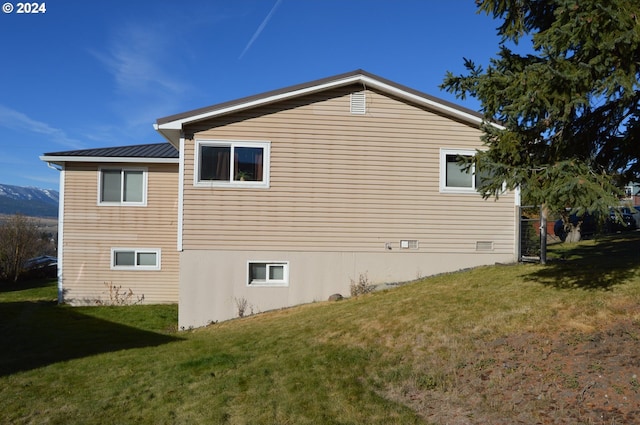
(529, 234)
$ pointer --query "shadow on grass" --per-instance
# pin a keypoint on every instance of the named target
(27, 284)
(39, 333)
(610, 261)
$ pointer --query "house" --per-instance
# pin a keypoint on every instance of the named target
(282, 198)
(632, 193)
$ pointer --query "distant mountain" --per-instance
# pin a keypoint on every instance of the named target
(30, 201)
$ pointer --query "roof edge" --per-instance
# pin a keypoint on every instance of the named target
(59, 159)
(171, 126)
(141, 153)
(160, 122)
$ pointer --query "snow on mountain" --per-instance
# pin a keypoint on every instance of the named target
(31, 201)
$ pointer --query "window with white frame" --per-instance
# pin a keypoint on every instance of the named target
(135, 258)
(268, 273)
(122, 186)
(231, 163)
(454, 176)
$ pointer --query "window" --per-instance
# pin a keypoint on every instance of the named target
(135, 258)
(453, 176)
(232, 164)
(628, 191)
(123, 186)
(268, 273)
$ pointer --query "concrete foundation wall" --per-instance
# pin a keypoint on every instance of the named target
(214, 283)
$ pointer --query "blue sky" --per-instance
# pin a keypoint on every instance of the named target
(90, 74)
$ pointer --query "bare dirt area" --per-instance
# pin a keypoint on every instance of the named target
(566, 378)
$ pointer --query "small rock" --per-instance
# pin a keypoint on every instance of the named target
(335, 297)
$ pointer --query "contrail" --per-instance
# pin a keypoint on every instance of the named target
(260, 28)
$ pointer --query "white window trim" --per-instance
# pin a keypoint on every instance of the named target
(443, 171)
(283, 282)
(145, 174)
(135, 251)
(264, 184)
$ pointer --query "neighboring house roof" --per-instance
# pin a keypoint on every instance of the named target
(155, 152)
(171, 126)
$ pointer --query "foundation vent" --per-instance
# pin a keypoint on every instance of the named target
(358, 103)
(484, 245)
(409, 244)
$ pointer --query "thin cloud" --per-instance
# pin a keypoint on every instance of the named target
(260, 28)
(145, 86)
(19, 121)
(134, 58)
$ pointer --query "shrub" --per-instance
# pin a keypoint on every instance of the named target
(363, 286)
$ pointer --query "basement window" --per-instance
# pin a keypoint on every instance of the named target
(268, 273)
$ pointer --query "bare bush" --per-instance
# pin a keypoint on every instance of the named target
(362, 286)
(20, 240)
(117, 296)
(244, 308)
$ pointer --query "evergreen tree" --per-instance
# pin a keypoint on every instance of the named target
(569, 112)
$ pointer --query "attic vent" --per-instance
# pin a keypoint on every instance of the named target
(484, 245)
(358, 104)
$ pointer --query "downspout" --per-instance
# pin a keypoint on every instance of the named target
(180, 192)
(60, 231)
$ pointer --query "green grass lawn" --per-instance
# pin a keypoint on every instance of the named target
(325, 363)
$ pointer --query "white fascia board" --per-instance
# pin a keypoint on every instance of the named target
(422, 100)
(103, 159)
(177, 124)
(169, 129)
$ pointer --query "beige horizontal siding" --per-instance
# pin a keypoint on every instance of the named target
(90, 231)
(343, 182)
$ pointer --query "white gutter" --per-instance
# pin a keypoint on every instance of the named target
(62, 159)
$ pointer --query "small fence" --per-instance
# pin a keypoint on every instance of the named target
(529, 235)
(529, 249)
